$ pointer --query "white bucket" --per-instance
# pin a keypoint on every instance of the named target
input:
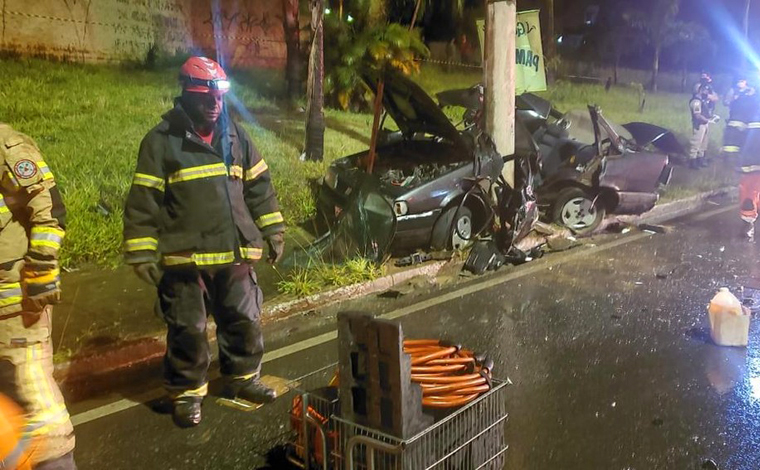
(729, 320)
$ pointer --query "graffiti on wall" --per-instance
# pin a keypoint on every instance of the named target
(247, 32)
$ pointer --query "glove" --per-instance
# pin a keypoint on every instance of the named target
(148, 272)
(276, 244)
(41, 286)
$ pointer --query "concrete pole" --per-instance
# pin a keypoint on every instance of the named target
(499, 69)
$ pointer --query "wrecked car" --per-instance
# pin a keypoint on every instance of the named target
(589, 165)
(436, 177)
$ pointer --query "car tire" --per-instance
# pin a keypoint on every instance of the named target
(578, 210)
(446, 235)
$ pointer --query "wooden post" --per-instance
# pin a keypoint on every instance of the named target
(499, 70)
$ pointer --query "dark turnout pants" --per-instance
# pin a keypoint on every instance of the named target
(187, 296)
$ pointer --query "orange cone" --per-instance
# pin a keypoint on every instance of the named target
(13, 446)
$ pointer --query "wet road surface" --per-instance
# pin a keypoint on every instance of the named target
(607, 347)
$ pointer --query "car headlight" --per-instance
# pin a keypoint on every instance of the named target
(331, 178)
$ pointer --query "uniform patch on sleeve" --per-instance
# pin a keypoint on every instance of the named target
(25, 169)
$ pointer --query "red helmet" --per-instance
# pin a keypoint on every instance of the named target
(203, 75)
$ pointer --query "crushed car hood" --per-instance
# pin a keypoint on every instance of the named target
(413, 110)
(644, 134)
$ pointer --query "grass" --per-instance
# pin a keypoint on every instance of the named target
(305, 281)
(88, 121)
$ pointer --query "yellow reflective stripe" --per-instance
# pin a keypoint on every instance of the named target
(737, 124)
(3, 207)
(197, 172)
(149, 181)
(269, 219)
(139, 244)
(251, 253)
(10, 294)
(12, 178)
(201, 391)
(45, 170)
(750, 168)
(256, 171)
(49, 237)
(237, 171)
(200, 259)
(43, 277)
(34, 356)
(753, 125)
(731, 148)
(244, 377)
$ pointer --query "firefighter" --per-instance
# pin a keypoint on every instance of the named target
(199, 209)
(32, 220)
(701, 118)
(741, 103)
(749, 182)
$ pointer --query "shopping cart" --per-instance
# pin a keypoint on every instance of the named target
(469, 438)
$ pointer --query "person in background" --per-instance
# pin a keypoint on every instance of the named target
(700, 105)
(741, 102)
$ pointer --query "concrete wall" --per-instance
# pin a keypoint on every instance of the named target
(248, 31)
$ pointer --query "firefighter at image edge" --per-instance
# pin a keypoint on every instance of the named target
(32, 221)
(199, 209)
(749, 167)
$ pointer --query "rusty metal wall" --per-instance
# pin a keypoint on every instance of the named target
(248, 32)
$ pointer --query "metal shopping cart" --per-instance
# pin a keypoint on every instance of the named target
(468, 438)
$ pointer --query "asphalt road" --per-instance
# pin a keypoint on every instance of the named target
(606, 346)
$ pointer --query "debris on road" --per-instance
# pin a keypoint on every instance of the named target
(651, 228)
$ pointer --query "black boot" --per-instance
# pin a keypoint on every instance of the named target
(65, 462)
(694, 164)
(252, 390)
(704, 162)
(187, 411)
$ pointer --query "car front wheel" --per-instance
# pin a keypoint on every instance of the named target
(578, 210)
(453, 230)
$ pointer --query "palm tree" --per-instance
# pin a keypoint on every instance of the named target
(314, 146)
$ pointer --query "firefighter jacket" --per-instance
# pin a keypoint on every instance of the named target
(192, 203)
(750, 152)
(32, 220)
(742, 109)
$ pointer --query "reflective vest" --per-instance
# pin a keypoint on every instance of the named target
(193, 203)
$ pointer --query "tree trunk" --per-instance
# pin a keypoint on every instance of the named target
(747, 5)
(314, 146)
(655, 68)
(292, 39)
(615, 69)
(550, 49)
(377, 12)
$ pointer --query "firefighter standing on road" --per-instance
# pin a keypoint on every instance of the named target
(749, 182)
(31, 230)
(741, 100)
(201, 205)
(700, 105)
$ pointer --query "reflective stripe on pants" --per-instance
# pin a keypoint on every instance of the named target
(26, 375)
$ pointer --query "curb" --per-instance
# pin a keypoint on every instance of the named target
(148, 351)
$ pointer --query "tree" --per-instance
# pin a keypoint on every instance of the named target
(657, 19)
(314, 146)
(293, 61)
(616, 36)
(691, 47)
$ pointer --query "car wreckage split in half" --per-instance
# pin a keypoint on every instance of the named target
(437, 185)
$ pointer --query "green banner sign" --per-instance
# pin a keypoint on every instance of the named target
(529, 58)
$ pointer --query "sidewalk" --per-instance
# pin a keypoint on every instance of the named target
(107, 320)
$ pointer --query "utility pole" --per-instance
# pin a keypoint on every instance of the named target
(499, 70)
